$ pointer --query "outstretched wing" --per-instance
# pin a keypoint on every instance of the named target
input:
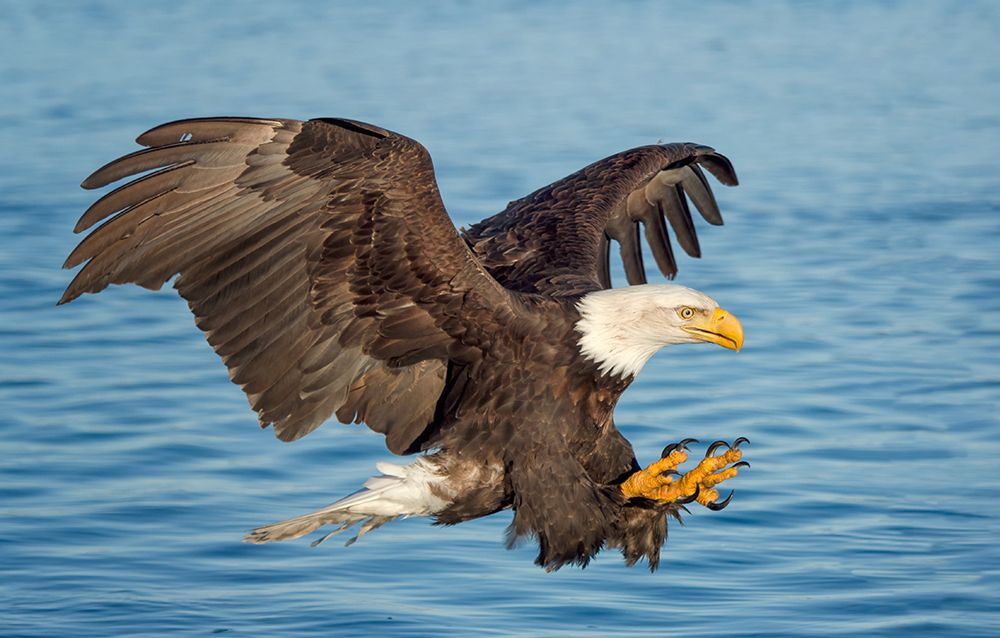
(556, 241)
(316, 256)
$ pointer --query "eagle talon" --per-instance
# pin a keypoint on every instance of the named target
(740, 441)
(682, 446)
(657, 482)
(715, 446)
(720, 505)
(690, 499)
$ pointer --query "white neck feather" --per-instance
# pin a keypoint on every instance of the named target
(621, 328)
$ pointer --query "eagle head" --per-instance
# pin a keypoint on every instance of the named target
(621, 328)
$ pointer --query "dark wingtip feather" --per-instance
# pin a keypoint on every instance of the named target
(94, 180)
(79, 254)
(674, 207)
(199, 128)
(604, 262)
(130, 195)
(631, 252)
(699, 191)
(73, 290)
(70, 261)
(720, 167)
(168, 155)
(659, 243)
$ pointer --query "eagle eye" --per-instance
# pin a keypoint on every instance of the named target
(684, 312)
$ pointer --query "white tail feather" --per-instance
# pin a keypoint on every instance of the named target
(399, 491)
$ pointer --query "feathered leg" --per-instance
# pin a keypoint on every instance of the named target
(399, 491)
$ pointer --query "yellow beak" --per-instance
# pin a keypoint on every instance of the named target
(721, 328)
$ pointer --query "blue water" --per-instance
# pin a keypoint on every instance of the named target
(860, 252)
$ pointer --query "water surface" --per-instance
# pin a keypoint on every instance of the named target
(860, 252)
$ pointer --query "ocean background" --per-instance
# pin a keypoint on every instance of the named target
(860, 251)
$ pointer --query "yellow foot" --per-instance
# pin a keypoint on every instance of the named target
(657, 482)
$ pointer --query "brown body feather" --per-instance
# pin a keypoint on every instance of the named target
(319, 261)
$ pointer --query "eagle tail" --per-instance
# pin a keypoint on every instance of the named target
(302, 525)
(399, 491)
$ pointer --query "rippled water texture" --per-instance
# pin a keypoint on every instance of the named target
(860, 252)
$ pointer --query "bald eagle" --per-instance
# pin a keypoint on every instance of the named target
(319, 260)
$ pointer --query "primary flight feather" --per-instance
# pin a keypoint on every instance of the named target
(320, 262)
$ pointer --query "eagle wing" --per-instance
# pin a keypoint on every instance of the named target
(316, 256)
(556, 241)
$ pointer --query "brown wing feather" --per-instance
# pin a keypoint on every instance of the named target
(554, 241)
(316, 256)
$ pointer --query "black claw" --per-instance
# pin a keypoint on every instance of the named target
(745, 464)
(675, 472)
(713, 447)
(740, 441)
(673, 446)
(693, 497)
(719, 505)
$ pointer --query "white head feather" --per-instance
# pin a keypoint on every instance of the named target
(621, 328)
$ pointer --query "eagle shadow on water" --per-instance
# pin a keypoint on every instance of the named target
(319, 261)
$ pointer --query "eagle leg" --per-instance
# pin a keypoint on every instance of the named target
(656, 482)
